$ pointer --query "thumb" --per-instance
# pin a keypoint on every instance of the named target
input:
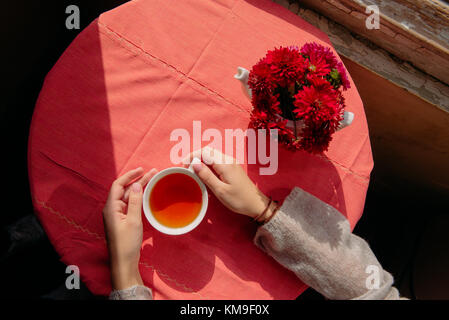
(208, 177)
(135, 202)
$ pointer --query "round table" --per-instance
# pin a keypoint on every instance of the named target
(109, 105)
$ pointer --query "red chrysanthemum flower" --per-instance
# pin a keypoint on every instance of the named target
(260, 79)
(320, 110)
(343, 76)
(314, 49)
(287, 66)
(315, 139)
(317, 105)
(299, 84)
(318, 66)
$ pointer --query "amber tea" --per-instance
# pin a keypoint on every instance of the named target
(176, 200)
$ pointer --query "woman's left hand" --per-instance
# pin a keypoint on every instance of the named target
(122, 216)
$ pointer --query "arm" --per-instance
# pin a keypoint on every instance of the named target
(305, 235)
(312, 239)
(122, 216)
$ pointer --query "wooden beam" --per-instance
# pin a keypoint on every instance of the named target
(412, 30)
(376, 59)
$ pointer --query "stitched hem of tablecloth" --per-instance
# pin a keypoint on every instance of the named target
(360, 151)
(103, 239)
(143, 263)
(207, 89)
(344, 168)
(119, 38)
(113, 35)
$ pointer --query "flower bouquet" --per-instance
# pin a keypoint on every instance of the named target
(299, 93)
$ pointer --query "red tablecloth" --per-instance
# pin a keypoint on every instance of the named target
(109, 105)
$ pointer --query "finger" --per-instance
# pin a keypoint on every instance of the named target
(118, 186)
(135, 202)
(210, 156)
(209, 178)
(118, 208)
(121, 207)
(113, 210)
(218, 161)
(188, 159)
(143, 181)
(213, 157)
(128, 177)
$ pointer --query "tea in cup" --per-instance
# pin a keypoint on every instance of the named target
(175, 200)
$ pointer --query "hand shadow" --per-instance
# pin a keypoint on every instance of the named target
(220, 243)
(205, 249)
(178, 250)
(197, 250)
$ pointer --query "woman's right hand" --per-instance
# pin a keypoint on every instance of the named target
(231, 185)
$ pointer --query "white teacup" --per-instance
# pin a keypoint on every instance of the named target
(146, 200)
